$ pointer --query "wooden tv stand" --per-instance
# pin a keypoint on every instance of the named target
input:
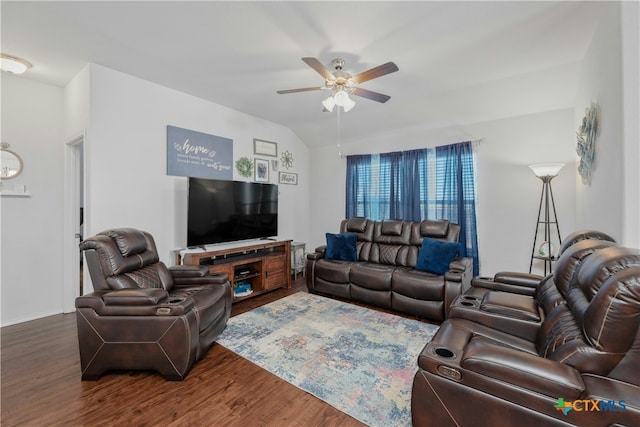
(264, 264)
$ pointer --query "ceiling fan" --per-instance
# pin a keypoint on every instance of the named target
(341, 83)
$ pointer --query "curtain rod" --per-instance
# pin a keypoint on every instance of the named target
(477, 141)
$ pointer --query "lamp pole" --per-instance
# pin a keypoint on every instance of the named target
(546, 172)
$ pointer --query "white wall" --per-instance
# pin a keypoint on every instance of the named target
(600, 204)
(508, 191)
(126, 158)
(32, 259)
(631, 150)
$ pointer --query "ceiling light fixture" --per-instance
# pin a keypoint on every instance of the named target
(339, 98)
(13, 64)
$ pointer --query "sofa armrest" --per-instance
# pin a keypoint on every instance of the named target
(509, 281)
(318, 254)
(195, 275)
(522, 369)
(456, 281)
(460, 271)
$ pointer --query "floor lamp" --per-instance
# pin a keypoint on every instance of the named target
(546, 172)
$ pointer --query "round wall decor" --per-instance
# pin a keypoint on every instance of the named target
(244, 166)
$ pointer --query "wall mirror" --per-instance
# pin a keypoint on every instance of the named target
(10, 162)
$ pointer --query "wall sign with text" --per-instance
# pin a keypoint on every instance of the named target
(197, 154)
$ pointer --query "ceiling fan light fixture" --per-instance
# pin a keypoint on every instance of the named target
(329, 103)
(349, 104)
(13, 64)
(341, 98)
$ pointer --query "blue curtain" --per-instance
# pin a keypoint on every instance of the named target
(455, 197)
(358, 186)
(416, 185)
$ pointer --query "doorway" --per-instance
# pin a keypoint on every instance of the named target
(75, 220)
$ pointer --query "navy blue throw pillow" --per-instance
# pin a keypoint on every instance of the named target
(436, 255)
(341, 247)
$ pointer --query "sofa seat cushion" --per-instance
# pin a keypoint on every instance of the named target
(418, 284)
(333, 270)
(371, 276)
(209, 302)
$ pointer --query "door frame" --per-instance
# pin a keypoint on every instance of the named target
(73, 176)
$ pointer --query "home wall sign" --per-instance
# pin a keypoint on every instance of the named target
(586, 148)
(197, 154)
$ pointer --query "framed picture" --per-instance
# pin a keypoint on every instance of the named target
(265, 148)
(261, 169)
(288, 178)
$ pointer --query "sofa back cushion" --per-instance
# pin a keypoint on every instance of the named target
(396, 242)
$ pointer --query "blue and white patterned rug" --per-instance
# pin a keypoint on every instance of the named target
(358, 360)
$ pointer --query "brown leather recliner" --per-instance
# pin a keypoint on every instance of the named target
(580, 369)
(522, 314)
(527, 283)
(143, 315)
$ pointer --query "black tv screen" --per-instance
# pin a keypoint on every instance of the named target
(226, 211)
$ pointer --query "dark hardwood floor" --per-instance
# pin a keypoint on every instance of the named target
(41, 386)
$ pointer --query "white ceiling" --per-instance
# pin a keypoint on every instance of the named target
(460, 62)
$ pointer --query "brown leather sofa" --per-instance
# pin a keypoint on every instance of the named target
(384, 273)
(143, 315)
(580, 367)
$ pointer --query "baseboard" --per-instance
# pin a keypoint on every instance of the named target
(28, 319)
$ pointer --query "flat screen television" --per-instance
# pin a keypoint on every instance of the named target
(226, 211)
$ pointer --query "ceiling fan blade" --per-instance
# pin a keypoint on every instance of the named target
(304, 89)
(374, 96)
(373, 73)
(320, 69)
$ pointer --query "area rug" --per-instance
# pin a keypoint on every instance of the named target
(358, 360)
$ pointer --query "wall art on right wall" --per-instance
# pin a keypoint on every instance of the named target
(586, 148)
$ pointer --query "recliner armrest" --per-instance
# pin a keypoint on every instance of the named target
(194, 275)
(522, 369)
(178, 271)
(509, 281)
(134, 302)
(150, 296)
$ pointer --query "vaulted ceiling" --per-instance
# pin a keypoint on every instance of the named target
(460, 62)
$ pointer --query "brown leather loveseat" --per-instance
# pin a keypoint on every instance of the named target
(580, 367)
(143, 315)
(384, 272)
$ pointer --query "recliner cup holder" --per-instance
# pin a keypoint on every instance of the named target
(444, 352)
(175, 300)
(467, 304)
(470, 297)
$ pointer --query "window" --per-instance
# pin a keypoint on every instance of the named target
(433, 183)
